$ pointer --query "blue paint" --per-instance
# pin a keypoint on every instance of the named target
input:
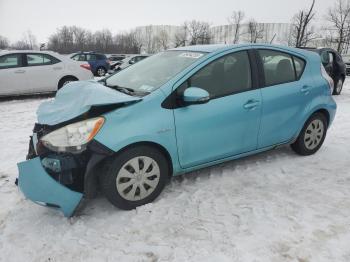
(42, 189)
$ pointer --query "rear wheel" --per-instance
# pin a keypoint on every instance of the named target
(135, 177)
(338, 86)
(311, 136)
(66, 80)
(101, 71)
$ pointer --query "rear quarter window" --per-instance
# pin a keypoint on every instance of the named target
(299, 66)
(280, 67)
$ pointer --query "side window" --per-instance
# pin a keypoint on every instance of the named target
(227, 75)
(299, 66)
(91, 57)
(40, 59)
(278, 67)
(80, 57)
(50, 60)
(325, 58)
(10, 61)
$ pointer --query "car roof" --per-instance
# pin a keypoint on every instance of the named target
(27, 51)
(216, 48)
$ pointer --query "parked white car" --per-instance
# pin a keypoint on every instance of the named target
(33, 72)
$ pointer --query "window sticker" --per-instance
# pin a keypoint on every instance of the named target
(193, 55)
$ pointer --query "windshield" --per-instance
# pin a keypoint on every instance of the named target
(151, 73)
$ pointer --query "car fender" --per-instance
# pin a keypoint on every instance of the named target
(129, 125)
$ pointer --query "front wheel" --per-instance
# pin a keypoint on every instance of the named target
(135, 177)
(311, 136)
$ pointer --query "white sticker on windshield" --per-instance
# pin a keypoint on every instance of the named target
(191, 55)
(146, 88)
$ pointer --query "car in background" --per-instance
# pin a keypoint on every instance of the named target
(175, 112)
(130, 60)
(99, 63)
(33, 72)
(346, 59)
(334, 66)
(115, 60)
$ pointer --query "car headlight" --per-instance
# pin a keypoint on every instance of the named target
(73, 137)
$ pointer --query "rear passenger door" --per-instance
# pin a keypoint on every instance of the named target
(43, 71)
(285, 96)
(13, 78)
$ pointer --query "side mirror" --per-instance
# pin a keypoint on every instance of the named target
(195, 96)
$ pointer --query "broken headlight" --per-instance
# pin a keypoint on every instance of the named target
(74, 137)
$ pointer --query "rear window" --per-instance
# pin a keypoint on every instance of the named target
(100, 57)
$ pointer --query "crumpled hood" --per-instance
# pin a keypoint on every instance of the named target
(77, 98)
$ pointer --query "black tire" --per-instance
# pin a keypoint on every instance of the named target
(66, 80)
(338, 86)
(100, 71)
(300, 146)
(108, 181)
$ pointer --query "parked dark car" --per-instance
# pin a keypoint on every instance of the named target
(130, 60)
(99, 63)
(115, 60)
(334, 65)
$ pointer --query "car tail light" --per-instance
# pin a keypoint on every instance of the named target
(86, 66)
(328, 78)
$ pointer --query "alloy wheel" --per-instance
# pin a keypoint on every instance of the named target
(101, 72)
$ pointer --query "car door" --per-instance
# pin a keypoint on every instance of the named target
(285, 96)
(228, 124)
(13, 77)
(43, 71)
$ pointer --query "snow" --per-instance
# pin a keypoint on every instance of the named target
(274, 206)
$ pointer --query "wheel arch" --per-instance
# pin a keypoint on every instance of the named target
(64, 77)
(155, 145)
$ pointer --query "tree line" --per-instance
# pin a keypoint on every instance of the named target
(149, 39)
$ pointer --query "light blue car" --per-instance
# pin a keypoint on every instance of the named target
(175, 112)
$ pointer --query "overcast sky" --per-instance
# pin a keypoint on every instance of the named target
(43, 17)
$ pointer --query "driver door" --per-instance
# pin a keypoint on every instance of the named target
(228, 124)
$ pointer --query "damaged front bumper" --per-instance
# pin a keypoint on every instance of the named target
(38, 186)
(61, 180)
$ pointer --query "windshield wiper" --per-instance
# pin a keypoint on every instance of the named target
(128, 90)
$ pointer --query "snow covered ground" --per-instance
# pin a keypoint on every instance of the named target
(275, 206)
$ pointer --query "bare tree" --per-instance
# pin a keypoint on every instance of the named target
(181, 36)
(302, 32)
(339, 17)
(4, 43)
(162, 40)
(20, 45)
(235, 20)
(255, 31)
(199, 32)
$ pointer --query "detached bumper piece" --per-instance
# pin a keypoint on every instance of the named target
(38, 186)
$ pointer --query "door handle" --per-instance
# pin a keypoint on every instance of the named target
(57, 68)
(251, 104)
(305, 90)
(20, 71)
